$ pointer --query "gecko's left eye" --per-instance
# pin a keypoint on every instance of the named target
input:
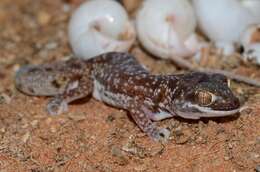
(205, 98)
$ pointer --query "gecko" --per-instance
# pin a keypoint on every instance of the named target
(119, 80)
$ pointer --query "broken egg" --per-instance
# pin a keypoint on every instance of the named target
(223, 21)
(250, 41)
(100, 26)
(166, 28)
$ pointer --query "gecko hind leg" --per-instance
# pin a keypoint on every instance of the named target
(75, 90)
(140, 116)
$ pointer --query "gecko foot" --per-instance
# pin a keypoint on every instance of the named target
(56, 106)
(161, 135)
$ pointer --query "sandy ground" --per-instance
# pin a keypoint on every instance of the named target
(93, 136)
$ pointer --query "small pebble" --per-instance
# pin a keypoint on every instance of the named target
(226, 158)
(116, 151)
(77, 118)
(4, 98)
(254, 155)
(43, 18)
(230, 146)
(140, 168)
(51, 45)
(34, 123)
(43, 54)
(110, 118)
(2, 130)
(121, 159)
(134, 149)
(258, 140)
(25, 137)
(48, 121)
(181, 136)
(53, 129)
(25, 125)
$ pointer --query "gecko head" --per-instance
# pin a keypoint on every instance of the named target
(38, 80)
(205, 95)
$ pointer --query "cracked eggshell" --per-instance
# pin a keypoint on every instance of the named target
(252, 53)
(223, 21)
(250, 40)
(166, 28)
(250, 35)
(100, 26)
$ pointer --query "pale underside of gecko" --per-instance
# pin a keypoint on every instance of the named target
(119, 80)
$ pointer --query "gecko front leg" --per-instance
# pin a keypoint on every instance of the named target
(141, 116)
(76, 89)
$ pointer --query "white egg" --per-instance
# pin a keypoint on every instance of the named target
(100, 26)
(253, 6)
(223, 21)
(166, 28)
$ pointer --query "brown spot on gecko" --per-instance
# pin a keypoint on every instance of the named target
(49, 69)
(56, 84)
(33, 70)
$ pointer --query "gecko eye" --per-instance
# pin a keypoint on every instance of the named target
(205, 98)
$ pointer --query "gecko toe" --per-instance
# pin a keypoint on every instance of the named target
(162, 135)
(56, 107)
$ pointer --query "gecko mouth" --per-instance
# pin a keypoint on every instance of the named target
(199, 112)
(207, 112)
